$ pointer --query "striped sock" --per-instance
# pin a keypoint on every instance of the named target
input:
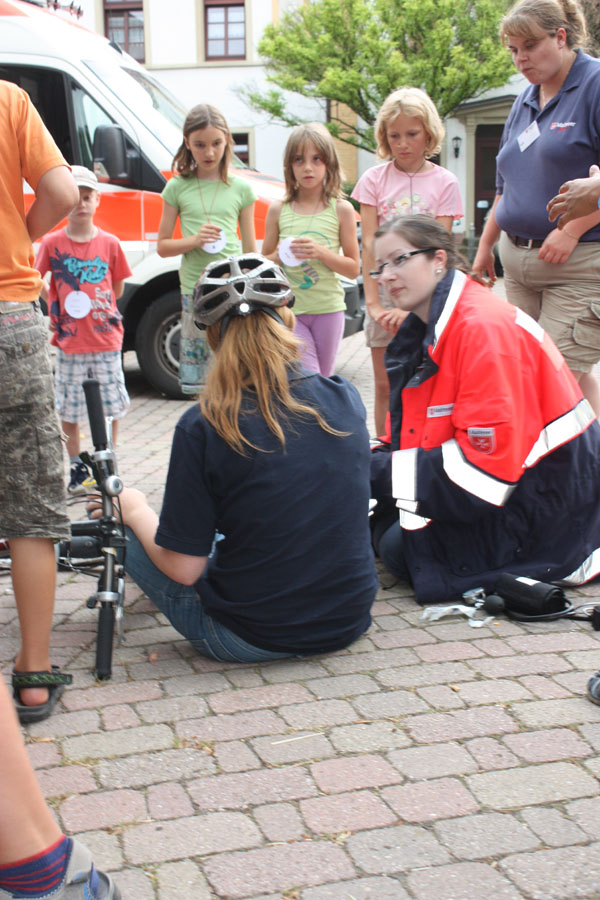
(37, 875)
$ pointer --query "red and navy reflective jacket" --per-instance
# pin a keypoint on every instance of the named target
(492, 454)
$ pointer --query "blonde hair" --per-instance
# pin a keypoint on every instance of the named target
(203, 116)
(252, 359)
(409, 101)
(538, 18)
(312, 132)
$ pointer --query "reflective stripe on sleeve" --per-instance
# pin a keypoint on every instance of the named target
(561, 431)
(456, 289)
(410, 522)
(404, 475)
(588, 569)
(469, 478)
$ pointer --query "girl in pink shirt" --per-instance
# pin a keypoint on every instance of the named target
(408, 131)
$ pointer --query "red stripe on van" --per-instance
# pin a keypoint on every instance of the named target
(8, 9)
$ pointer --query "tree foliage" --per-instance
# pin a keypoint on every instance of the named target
(354, 52)
(591, 10)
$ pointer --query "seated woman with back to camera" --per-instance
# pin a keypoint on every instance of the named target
(492, 457)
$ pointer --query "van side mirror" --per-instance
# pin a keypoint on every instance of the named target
(111, 161)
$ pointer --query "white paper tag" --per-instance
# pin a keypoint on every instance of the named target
(215, 246)
(527, 137)
(78, 304)
(286, 254)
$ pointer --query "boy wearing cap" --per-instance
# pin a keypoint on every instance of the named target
(88, 268)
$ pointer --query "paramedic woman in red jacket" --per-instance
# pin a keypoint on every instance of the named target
(491, 462)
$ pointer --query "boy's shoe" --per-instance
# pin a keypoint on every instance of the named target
(81, 479)
(82, 881)
(593, 688)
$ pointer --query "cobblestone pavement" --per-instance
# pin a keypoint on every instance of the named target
(435, 762)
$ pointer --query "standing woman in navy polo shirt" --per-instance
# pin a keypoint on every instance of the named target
(552, 134)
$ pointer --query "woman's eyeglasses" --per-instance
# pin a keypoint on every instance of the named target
(398, 262)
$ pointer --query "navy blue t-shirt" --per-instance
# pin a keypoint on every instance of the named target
(568, 144)
(295, 571)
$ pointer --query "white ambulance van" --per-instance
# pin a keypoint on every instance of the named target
(106, 112)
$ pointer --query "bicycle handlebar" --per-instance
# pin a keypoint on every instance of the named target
(95, 413)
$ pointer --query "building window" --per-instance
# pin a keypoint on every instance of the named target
(224, 29)
(124, 24)
(241, 139)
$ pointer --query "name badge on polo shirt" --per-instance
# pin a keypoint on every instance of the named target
(527, 137)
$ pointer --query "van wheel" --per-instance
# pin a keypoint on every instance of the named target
(157, 344)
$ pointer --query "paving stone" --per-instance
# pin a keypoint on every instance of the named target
(111, 693)
(353, 773)
(433, 762)
(159, 669)
(572, 872)
(591, 733)
(233, 701)
(370, 662)
(293, 670)
(585, 813)
(498, 691)
(245, 789)
(235, 756)
(485, 835)
(119, 743)
(172, 709)
(65, 780)
(462, 881)
(491, 754)
(43, 755)
(428, 800)
(291, 748)
(553, 643)
(232, 728)
(342, 686)
(244, 678)
(544, 688)
(105, 849)
(389, 704)
(546, 783)
(405, 637)
(448, 651)
(362, 889)
(102, 810)
(587, 660)
(514, 666)
(168, 800)
(182, 881)
(197, 683)
(464, 723)
(280, 822)
(553, 828)
(151, 768)
(397, 849)
(547, 746)
(367, 737)
(416, 676)
(158, 842)
(135, 883)
(354, 811)
(441, 697)
(572, 683)
(319, 714)
(494, 646)
(277, 868)
(540, 713)
(457, 631)
(117, 717)
(66, 724)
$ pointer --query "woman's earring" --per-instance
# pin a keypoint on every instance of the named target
(438, 271)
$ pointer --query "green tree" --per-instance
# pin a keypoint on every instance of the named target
(355, 52)
(591, 10)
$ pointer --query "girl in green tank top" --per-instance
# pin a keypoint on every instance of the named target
(305, 234)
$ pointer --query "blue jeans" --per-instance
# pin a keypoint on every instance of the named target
(184, 609)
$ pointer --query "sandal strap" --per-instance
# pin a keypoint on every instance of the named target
(40, 679)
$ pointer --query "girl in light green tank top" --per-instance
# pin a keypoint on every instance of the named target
(305, 234)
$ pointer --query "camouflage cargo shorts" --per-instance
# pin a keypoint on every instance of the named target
(32, 485)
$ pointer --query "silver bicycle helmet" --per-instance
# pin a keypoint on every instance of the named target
(239, 286)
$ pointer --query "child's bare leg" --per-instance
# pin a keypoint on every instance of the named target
(115, 431)
(71, 430)
(590, 389)
(33, 573)
(382, 389)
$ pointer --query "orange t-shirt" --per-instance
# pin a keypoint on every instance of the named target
(27, 151)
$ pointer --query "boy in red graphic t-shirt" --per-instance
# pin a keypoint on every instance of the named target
(88, 269)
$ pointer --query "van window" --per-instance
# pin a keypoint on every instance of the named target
(88, 115)
(47, 89)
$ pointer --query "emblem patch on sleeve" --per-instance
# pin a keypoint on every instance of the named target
(482, 439)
